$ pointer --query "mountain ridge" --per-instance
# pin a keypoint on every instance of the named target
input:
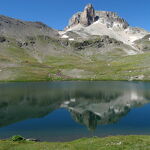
(97, 48)
(104, 23)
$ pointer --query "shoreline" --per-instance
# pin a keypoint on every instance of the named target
(77, 80)
(129, 142)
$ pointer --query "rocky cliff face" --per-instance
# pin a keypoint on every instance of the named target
(86, 18)
(111, 19)
(91, 22)
(89, 16)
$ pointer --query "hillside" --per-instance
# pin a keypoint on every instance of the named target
(96, 45)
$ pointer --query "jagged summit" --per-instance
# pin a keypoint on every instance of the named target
(86, 18)
(92, 22)
(89, 16)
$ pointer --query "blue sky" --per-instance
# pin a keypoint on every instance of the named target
(56, 13)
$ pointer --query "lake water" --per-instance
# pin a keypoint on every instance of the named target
(64, 111)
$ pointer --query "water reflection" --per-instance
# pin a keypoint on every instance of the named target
(89, 103)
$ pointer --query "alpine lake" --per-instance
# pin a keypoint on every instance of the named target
(69, 110)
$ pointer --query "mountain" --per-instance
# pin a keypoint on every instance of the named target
(19, 29)
(96, 45)
(91, 22)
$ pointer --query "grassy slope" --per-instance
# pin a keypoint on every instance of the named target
(71, 66)
(109, 143)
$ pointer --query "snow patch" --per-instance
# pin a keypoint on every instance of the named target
(96, 22)
(71, 39)
(65, 36)
(131, 52)
(100, 27)
(134, 38)
(61, 32)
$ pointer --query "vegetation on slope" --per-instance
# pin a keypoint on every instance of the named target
(42, 58)
(109, 143)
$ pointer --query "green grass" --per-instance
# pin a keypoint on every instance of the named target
(116, 69)
(18, 64)
(109, 143)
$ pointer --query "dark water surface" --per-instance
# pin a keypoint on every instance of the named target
(64, 111)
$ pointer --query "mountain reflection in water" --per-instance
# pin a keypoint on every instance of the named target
(89, 103)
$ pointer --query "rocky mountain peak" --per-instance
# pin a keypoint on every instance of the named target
(85, 18)
(88, 6)
(91, 22)
(89, 16)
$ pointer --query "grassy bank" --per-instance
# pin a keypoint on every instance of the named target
(109, 143)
